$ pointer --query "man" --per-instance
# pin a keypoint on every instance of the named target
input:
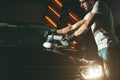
(99, 18)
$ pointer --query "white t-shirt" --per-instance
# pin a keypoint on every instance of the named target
(103, 26)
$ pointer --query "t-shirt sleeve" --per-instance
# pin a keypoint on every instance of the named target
(86, 16)
(99, 7)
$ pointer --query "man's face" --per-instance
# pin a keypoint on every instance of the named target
(85, 4)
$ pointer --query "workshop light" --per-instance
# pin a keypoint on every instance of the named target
(58, 2)
(73, 17)
(54, 11)
(92, 72)
(51, 21)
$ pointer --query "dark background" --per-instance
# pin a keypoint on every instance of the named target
(31, 11)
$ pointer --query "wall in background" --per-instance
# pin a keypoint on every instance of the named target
(22, 11)
(31, 11)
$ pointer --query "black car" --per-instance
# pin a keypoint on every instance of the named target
(23, 56)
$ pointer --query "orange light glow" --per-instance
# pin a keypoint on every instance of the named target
(55, 12)
(73, 17)
(51, 21)
(72, 47)
(74, 42)
(69, 24)
(58, 2)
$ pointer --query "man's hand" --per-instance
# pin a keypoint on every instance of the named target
(70, 37)
(49, 32)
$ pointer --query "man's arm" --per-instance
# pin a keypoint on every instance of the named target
(85, 26)
(70, 27)
(64, 30)
(82, 28)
